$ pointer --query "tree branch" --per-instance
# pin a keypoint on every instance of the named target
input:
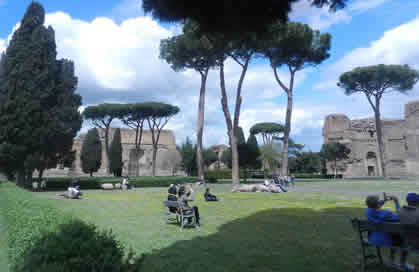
(278, 80)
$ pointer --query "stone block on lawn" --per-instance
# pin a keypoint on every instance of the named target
(107, 186)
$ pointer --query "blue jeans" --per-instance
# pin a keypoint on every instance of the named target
(282, 188)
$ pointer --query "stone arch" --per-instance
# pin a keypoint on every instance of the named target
(371, 163)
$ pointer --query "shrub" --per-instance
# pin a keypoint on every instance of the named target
(62, 183)
(217, 174)
(77, 246)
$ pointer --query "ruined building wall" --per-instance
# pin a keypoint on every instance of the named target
(400, 138)
(134, 163)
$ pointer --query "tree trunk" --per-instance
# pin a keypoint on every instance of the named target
(153, 169)
(230, 130)
(200, 126)
(380, 137)
(108, 169)
(287, 129)
(20, 177)
(41, 172)
(336, 169)
(235, 170)
(91, 173)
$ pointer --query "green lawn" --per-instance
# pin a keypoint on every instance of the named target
(3, 246)
(306, 229)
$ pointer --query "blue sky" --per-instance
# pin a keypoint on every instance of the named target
(115, 50)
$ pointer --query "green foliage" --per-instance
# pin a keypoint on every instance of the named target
(378, 79)
(77, 246)
(188, 154)
(252, 157)
(134, 116)
(240, 136)
(209, 157)
(187, 151)
(268, 131)
(232, 17)
(214, 175)
(226, 158)
(115, 154)
(102, 115)
(38, 106)
(334, 152)
(91, 152)
(306, 162)
(26, 217)
(270, 156)
(296, 45)
(188, 51)
(293, 148)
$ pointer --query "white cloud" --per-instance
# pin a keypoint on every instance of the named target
(362, 5)
(322, 18)
(120, 63)
(2, 45)
(397, 46)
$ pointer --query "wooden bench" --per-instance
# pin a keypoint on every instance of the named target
(363, 227)
(182, 213)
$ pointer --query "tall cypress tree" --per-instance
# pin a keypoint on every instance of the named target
(115, 154)
(38, 106)
(91, 152)
(253, 152)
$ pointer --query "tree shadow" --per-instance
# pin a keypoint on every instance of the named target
(289, 239)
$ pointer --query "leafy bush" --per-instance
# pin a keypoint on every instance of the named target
(216, 174)
(62, 183)
(77, 246)
(26, 216)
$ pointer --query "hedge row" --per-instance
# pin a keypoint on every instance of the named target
(62, 183)
(26, 217)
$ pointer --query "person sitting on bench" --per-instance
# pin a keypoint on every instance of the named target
(409, 218)
(184, 197)
(375, 214)
(172, 196)
(208, 196)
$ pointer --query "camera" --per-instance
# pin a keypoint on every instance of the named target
(386, 198)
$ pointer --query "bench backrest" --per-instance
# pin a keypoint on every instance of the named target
(365, 225)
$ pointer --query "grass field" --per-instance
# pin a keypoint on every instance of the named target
(3, 246)
(306, 229)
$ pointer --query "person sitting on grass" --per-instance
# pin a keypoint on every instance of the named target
(409, 218)
(184, 197)
(172, 196)
(375, 214)
(208, 196)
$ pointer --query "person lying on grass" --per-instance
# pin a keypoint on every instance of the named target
(375, 214)
(409, 218)
(184, 196)
(208, 196)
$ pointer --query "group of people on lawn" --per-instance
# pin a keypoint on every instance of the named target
(185, 194)
(408, 216)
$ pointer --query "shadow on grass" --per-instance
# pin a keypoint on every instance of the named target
(291, 239)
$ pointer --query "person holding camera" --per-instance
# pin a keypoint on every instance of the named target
(409, 218)
(376, 214)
